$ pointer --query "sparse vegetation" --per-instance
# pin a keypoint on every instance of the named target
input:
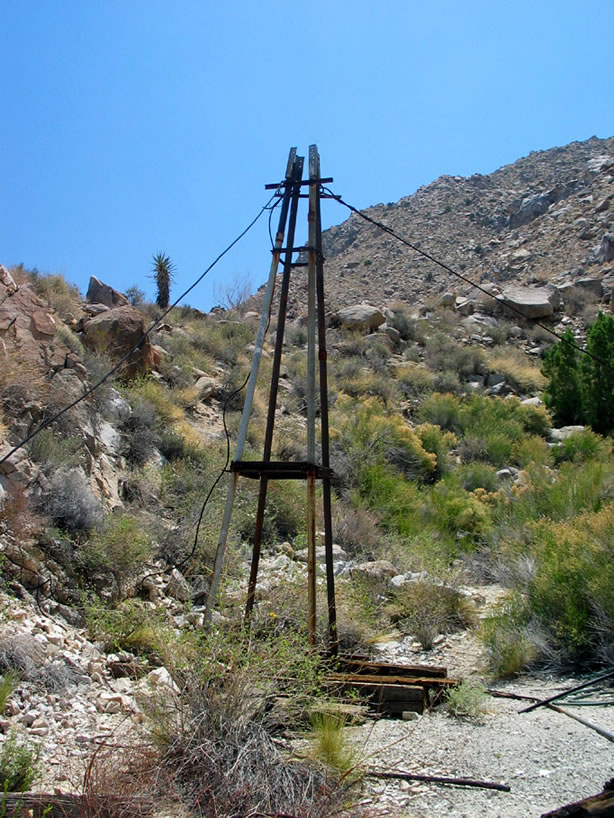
(18, 763)
(468, 699)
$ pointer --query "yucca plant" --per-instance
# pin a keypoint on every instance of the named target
(163, 269)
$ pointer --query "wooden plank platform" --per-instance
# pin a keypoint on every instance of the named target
(391, 688)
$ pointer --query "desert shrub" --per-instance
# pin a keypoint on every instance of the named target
(453, 510)
(120, 547)
(135, 296)
(468, 699)
(173, 445)
(368, 434)
(443, 353)
(413, 380)
(429, 607)
(477, 476)
(409, 328)
(447, 381)
(531, 449)
(472, 448)
(355, 528)
(498, 448)
(442, 409)
(214, 734)
(585, 445)
(70, 339)
(19, 766)
(141, 433)
(366, 382)
(507, 639)
(577, 487)
(439, 443)
(60, 296)
(226, 341)
(54, 450)
(70, 502)
(396, 499)
(132, 625)
(572, 581)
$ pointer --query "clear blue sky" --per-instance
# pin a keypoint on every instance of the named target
(134, 126)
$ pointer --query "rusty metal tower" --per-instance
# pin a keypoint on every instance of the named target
(290, 192)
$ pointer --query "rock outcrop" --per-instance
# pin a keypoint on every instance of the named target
(115, 332)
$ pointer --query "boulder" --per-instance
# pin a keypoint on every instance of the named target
(178, 587)
(530, 208)
(448, 300)
(559, 435)
(99, 293)
(118, 331)
(531, 302)
(378, 573)
(206, 387)
(605, 251)
(360, 316)
(338, 554)
(393, 334)
(7, 280)
(464, 306)
(591, 285)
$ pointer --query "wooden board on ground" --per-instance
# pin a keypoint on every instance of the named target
(352, 664)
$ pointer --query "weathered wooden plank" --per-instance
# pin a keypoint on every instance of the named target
(424, 681)
(358, 665)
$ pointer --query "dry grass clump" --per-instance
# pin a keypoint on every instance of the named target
(429, 607)
(518, 369)
(216, 744)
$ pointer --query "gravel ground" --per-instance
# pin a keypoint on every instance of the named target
(545, 757)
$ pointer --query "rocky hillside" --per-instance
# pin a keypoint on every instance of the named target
(545, 218)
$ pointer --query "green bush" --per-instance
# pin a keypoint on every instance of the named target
(132, 625)
(477, 476)
(55, 450)
(468, 699)
(580, 446)
(19, 766)
(443, 410)
(119, 547)
(8, 682)
(507, 639)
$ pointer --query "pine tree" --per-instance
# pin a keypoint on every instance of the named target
(581, 387)
(564, 391)
(598, 375)
(163, 273)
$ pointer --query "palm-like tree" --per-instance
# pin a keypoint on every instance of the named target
(163, 269)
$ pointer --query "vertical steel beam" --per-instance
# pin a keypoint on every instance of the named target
(249, 395)
(333, 641)
(311, 561)
(270, 424)
(311, 383)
